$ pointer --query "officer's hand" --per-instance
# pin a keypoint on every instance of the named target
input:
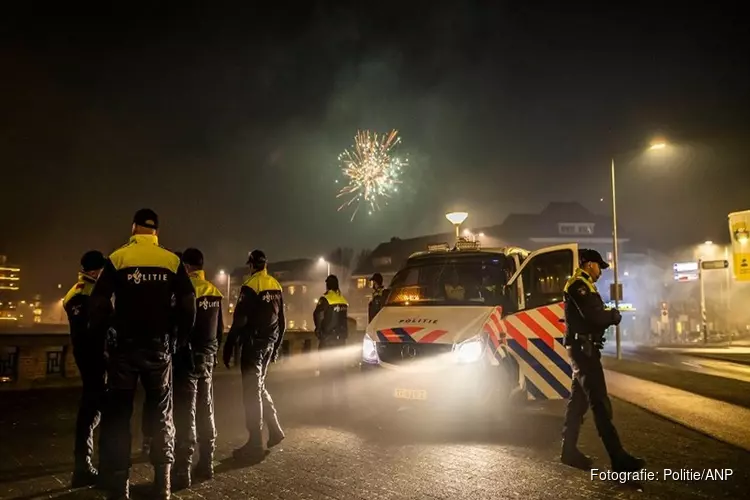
(227, 356)
(616, 317)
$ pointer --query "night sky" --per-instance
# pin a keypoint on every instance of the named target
(229, 123)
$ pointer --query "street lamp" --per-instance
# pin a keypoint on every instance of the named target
(322, 260)
(229, 280)
(615, 260)
(457, 218)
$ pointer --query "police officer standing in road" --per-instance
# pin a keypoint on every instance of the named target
(587, 319)
(88, 352)
(331, 328)
(193, 379)
(258, 326)
(148, 413)
(379, 294)
(143, 277)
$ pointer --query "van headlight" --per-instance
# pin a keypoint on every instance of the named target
(469, 351)
(369, 350)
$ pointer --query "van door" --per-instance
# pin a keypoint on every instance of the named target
(535, 331)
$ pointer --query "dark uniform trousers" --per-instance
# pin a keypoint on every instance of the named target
(590, 389)
(92, 367)
(154, 368)
(194, 408)
(332, 373)
(255, 358)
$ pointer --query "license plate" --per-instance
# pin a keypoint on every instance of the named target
(410, 394)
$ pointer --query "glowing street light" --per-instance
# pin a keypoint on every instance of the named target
(223, 273)
(457, 218)
(615, 261)
(322, 260)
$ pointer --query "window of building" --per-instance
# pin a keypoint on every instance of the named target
(576, 228)
(304, 325)
(291, 323)
(361, 283)
(54, 362)
(8, 364)
(304, 289)
(545, 276)
(291, 290)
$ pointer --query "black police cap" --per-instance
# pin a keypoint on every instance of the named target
(147, 218)
(256, 258)
(93, 260)
(332, 282)
(377, 278)
(589, 255)
(193, 257)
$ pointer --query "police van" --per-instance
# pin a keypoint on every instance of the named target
(466, 328)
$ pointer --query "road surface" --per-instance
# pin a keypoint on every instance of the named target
(375, 454)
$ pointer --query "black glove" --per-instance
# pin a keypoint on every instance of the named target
(227, 354)
(616, 317)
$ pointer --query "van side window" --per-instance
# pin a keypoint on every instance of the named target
(544, 278)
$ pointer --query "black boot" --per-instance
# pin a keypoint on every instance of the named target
(252, 452)
(84, 474)
(118, 486)
(573, 457)
(205, 467)
(163, 481)
(625, 462)
(181, 479)
(275, 436)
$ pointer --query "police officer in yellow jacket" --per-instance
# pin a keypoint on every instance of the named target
(88, 352)
(258, 326)
(193, 379)
(331, 328)
(144, 279)
(587, 319)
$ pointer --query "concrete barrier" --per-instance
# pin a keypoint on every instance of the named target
(37, 360)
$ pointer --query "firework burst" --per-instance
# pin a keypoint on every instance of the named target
(372, 171)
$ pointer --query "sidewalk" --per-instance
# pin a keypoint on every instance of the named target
(723, 421)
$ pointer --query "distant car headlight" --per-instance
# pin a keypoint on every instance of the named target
(469, 351)
(369, 350)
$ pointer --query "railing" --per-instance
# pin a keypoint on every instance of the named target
(33, 358)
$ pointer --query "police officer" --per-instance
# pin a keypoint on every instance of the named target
(88, 352)
(379, 294)
(587, 319)
(148, 413)
(193, 383)
(331, 328)
(143, 277)
(258, 325)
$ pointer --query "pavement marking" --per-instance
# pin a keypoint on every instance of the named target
(723, 421)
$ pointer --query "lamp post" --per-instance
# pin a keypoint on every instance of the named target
(615, 257)
(457, 218)
(322, 260)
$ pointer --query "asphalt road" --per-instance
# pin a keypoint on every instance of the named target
(375, 453)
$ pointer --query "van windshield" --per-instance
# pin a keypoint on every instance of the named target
(451, 281)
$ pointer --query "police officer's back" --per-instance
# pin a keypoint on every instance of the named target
(587, 319)
(332, 330)
(144, 279)
(88, 351)
(258, 325)
(193, 379)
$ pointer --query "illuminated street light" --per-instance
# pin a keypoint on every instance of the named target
(457, 218)
(615, 260)
(322, 260)
(708, 243)
(481, 235)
